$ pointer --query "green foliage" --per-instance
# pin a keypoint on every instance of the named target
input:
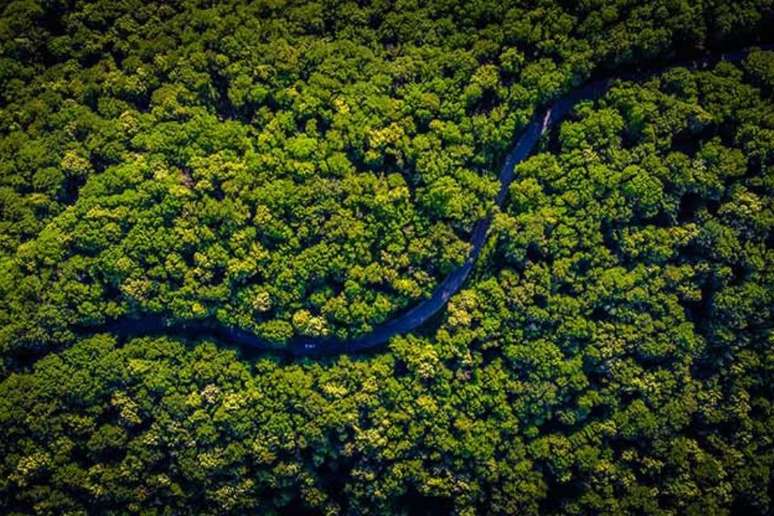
(313, 168)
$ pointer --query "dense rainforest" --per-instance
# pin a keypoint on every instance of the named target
(299, 168)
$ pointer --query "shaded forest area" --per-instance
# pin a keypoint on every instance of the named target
(301, 168)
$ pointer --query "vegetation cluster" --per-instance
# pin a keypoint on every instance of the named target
(314, 168)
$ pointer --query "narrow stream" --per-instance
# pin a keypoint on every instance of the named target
(543, 121)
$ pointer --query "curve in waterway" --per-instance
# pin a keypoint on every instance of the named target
(424, 310)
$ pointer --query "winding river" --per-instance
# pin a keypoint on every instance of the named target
(415, 317)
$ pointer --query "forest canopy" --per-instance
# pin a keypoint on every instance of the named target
(297, 168)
